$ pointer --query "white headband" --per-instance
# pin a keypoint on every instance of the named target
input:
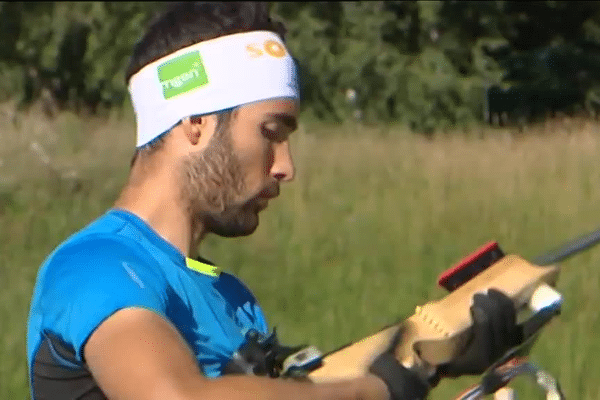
(211, 76)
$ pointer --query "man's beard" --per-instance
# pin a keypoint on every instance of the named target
(214, 187)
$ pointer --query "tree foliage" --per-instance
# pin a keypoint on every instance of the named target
(77, 50)
(427, 64)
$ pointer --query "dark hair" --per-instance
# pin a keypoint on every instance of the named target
(186, 23)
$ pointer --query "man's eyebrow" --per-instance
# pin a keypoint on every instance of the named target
(286, 119)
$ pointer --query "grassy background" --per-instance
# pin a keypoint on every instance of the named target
(375, 214)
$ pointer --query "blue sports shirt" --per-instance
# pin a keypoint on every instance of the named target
(116, 262)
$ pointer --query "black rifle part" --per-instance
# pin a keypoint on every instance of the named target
(260, 355)
(568, 249)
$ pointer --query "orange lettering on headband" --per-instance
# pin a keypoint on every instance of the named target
(271, 47)
(274, 48)
(254, 51)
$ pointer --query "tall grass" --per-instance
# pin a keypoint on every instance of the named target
(356, 241)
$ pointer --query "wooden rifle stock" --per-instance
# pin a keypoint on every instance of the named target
(438, 330)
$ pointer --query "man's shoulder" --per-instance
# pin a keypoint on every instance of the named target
(92, 256)
(100, 238)
(98, 245)
(87, 278)
(108, 227)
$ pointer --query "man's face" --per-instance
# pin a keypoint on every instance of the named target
(231, 180)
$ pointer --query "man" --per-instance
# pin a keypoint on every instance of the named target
(123, 309)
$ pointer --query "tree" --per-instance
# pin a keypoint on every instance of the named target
(431, 65)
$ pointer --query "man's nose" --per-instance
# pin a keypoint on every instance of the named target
(283, 165)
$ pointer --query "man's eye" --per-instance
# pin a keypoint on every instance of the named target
(271, 127)
(272, 131)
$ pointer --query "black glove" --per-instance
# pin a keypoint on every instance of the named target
(402, 383)
(494, 332)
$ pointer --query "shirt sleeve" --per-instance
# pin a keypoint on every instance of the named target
(88, 282)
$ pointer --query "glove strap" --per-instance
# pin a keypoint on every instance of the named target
(402, 383)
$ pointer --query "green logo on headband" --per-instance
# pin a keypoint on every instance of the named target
(182, 74)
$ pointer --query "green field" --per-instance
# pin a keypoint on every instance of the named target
(356, 241)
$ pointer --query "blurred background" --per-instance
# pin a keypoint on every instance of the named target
(428, 65)
(427, 129)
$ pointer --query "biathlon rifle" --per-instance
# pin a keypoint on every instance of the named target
(439, 330)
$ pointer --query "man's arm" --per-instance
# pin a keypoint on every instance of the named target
(137, 355)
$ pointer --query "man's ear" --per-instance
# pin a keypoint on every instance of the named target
(197, 130)
(193, 128)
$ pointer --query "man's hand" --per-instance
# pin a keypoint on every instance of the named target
(402, 383)
(494, 332)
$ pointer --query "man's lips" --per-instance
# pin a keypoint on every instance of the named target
(264, 196)
(269, 192)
